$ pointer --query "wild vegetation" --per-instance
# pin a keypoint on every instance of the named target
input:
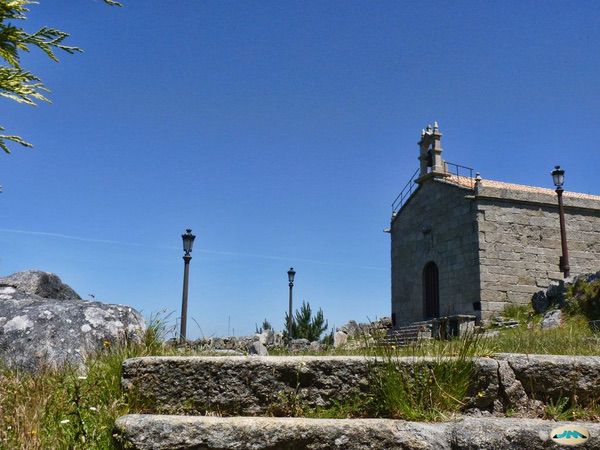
(305, 325)
(584, 299)
(70, 408)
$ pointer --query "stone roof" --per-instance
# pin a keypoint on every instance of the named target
(484, 183)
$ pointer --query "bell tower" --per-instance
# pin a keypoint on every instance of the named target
(430, 157)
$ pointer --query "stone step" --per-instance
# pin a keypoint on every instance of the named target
(253, 385)
(403, 335)
(155, 432)
(246, 385)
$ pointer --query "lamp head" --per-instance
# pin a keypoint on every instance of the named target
(188, 241)
(558, 177)
(291, 275)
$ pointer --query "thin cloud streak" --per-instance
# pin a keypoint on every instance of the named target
(167, 247)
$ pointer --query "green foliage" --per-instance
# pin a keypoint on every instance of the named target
(328, 338)
(584, 298)
(424, 391)
(16, 83)
(522, 313)
(304, 325)
(565, 408)
(266, 325)
(431, 390)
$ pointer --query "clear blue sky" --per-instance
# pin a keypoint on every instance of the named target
(279, 132)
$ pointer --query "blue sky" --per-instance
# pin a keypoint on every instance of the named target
(280, 132)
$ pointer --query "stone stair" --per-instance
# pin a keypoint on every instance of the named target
(155, 432)
(407, 334)
(221, 403)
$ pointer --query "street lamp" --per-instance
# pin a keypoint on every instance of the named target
(188, 243)
(291, 274)
(558, 177)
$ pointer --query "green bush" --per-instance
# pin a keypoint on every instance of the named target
(584, 298)
(305, 325)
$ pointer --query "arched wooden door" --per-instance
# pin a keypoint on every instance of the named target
(431, 290)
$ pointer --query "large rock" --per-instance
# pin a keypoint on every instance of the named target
(540, 302)
(44, 284)
(556, 293)
(38, 332)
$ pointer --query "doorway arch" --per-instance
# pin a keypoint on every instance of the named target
(431, 290)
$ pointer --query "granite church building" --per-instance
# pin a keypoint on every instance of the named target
(462, 244)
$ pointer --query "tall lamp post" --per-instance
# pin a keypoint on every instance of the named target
(188, 243)
(291, 274)
(558, 177)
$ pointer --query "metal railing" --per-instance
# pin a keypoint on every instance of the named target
(405, 192)
(454, 172)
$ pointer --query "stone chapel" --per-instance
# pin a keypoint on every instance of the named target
(462, 244)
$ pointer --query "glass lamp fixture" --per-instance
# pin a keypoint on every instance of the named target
(188, 241)
(291, 275)
(558, 177)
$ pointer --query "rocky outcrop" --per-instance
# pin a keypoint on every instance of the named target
(250, 344)
(42, 284)
(356, 335)
(555, 295)
(150, 432)
(38, 332)
(243, 344)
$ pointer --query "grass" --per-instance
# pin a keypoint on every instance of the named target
(429, 390)
(62, 409)
(565, 409)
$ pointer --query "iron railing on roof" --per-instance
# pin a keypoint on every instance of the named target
(458, 174)
(455, 173)
(405, 192)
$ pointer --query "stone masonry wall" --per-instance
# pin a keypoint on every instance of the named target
(519, 243)
(436, 224)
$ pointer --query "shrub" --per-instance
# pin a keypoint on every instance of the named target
(583, 297)
(305, 325)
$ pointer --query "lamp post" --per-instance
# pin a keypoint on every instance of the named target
(291, 274)
(188, 243)
(558, 177)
